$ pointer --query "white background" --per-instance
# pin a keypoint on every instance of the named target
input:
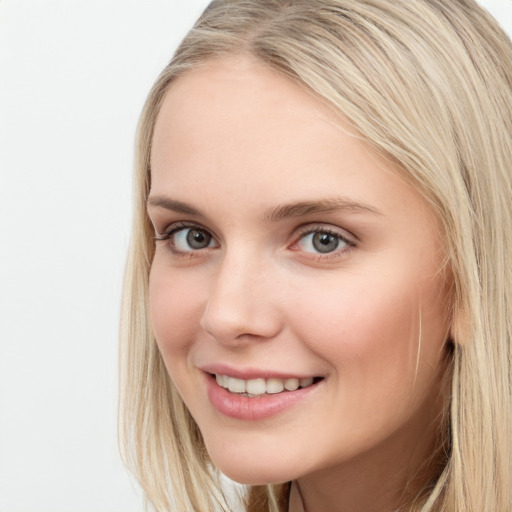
(73, 77)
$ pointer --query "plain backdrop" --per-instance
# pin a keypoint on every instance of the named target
(73, 78)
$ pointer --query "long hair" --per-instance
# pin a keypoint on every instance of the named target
(428, 84)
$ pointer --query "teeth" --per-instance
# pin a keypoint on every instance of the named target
(291, 384)
(258, 387)
(236, 385)
(304, 383)
(275, 386)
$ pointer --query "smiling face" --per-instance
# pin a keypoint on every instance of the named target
(296, 279)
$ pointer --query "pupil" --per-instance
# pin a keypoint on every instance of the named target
(198, 239)
(324, 242)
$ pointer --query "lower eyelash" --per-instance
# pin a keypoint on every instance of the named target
(159, 238)
(337, 253)
(168, 237)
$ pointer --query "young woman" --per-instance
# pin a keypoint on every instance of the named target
(318, 298)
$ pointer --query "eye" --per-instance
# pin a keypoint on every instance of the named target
(191, 239)
(322, 242)
(187, 239)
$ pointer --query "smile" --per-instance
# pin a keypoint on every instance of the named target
(260, 387)
(257, 398)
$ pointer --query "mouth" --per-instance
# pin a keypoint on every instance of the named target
(261, 387)
(259, 397)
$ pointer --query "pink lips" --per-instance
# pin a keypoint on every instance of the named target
(247, 373)
(256, 408)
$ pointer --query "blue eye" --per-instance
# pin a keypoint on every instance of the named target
(322, 242)
(191, 239)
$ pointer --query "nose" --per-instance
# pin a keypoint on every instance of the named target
(242, 305)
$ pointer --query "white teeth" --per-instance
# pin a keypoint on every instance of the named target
(275, 386)
(304, 383)
(222, 380)
(258, 387)
(236, 385)
(291, 384)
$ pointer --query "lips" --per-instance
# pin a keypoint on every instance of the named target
(257, 397)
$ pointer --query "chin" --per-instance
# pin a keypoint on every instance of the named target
(250, 472)
(254, 477)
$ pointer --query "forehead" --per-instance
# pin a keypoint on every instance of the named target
(236, 96)
(237, 106)
(234, 128)
(240, 77)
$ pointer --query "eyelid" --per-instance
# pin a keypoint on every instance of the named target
(176, 227)
(349, 239)
(325, 227)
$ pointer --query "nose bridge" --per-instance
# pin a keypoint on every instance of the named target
(240, 297)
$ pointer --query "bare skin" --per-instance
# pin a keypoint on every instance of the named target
(289, 248)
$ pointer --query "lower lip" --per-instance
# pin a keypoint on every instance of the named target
(255, 408)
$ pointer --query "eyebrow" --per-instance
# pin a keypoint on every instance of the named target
(336, 204)
(174, 205)
(297, 209)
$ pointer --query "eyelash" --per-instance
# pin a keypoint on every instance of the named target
(175, 228)
(349, 244)
(180, 226)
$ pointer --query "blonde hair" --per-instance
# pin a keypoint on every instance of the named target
(428, 83)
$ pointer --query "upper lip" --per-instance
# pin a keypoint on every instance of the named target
(251, 373)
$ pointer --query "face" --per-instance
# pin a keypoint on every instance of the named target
(296, 293)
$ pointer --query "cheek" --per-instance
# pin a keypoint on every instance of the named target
(175, 309)
(370, 335)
